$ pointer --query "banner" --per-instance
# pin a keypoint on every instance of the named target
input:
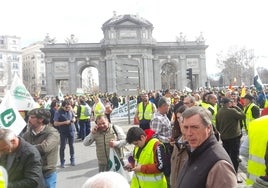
(21, 96)
(10, 117)
(122, 110)
(79, 91)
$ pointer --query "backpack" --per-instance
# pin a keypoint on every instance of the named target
(87, 110)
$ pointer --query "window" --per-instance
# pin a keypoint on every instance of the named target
(14, 57)
(15, 66)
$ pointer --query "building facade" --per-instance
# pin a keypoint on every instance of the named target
(10, 61)
(34, 69)
(128, 59)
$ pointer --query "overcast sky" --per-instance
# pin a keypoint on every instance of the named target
(224, 23)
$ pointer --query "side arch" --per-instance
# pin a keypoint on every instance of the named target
(168, 74)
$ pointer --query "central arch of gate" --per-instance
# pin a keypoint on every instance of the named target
(128, 59)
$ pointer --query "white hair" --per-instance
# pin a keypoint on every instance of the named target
(6, 135)
(106, 180)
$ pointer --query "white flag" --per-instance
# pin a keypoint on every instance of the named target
(10, 117)
(21, 96)
(116, 165)
(60, 95)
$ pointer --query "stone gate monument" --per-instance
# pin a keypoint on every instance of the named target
(128, 58)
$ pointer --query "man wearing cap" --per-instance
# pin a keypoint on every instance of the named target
(251, 110)
(46, 139)
(228, 124)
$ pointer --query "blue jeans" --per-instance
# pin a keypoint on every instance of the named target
(51, 180)
(84, 128)
(64, 137)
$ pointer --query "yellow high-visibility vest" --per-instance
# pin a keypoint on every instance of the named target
(148, 113)
(142, 180)
(3, 178)
(258, 138)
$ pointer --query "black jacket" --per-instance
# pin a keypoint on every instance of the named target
(201, 160)
(26, 169)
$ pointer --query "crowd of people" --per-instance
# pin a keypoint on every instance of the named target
(226, 116)
(183, 139)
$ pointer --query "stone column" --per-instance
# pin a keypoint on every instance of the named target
(72, 77)
(50, 78)
(183, 76)
(156, 72)
(202, 72)
(148, 74)
(102, 74)
(110, 73)
(178, 73)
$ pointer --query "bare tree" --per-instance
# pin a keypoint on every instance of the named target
(168, 76)
(237, 66)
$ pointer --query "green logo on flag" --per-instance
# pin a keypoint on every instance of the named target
(21, 93)
(8, 117)
(117, 164)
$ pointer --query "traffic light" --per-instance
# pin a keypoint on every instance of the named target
(189, 73)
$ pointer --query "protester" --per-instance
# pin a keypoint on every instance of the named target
(212, 106)
(208, 165)
(265, 177)
(105, 135)
(106, 180)
(176, 103)
(98, 107)
(148, 161)
(168, 96)
(160, 124)
(46, 139)
(21, 160)
(179, 153)
(53, 108)
(83, 116)
(64, 119)
(145, 111)
(252, 112)
(189, 101)
(115, 101)
(108, 109)
(258, 154)
(228, 121)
